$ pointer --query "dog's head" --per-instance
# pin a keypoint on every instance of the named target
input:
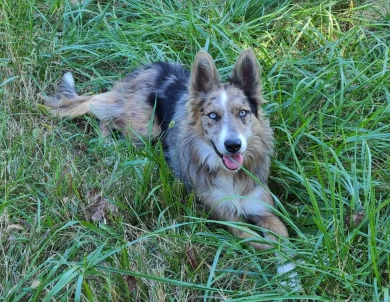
(224, 113)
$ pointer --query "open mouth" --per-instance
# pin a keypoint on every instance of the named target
(232, 162)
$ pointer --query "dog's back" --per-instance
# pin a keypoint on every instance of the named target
(129, 106)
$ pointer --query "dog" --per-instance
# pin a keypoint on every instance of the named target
(212, 133)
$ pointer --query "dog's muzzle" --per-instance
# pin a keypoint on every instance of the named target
(232, 161)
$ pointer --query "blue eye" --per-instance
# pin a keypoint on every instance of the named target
(213, 116)
(243, 113)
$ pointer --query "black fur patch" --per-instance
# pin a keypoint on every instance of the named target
(172, 83)
(253, 103)
(253, 106)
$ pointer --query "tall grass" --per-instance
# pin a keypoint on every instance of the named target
(325, 68)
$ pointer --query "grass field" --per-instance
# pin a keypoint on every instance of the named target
(326, 76)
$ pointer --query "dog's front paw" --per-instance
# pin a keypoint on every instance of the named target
(292, 281)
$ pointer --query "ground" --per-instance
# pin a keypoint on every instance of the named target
(88, 221)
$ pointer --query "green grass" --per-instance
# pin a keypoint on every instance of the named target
(326, 75)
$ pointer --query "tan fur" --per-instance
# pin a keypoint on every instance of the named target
(125, 108)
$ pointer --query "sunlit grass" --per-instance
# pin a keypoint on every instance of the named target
(325, 70)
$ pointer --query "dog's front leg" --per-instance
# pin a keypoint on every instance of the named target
(272, 223)
(252, 238)
(246, 233)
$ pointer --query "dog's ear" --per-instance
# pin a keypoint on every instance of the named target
(204, 75)
(246, 76)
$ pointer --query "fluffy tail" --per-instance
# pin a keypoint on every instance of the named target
(66, 102)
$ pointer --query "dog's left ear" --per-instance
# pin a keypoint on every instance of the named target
(246, 76)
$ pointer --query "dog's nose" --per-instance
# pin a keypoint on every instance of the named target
(233, 145)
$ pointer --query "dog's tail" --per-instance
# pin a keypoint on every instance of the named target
(66, 102)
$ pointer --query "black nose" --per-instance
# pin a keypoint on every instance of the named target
(233, 145)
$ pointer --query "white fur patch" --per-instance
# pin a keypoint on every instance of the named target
(224, 100)
(68, 79)
(208, 155)
(230, 200)
(285, 268)
(252, 203)
(243, 143)
(293, 281)
(221, 139)
(227, 130)
(222, 135)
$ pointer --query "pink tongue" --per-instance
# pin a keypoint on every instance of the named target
(230, 164)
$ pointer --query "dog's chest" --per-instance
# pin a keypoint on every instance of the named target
(234, 197)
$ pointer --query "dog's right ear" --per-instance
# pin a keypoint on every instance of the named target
(204, 75)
